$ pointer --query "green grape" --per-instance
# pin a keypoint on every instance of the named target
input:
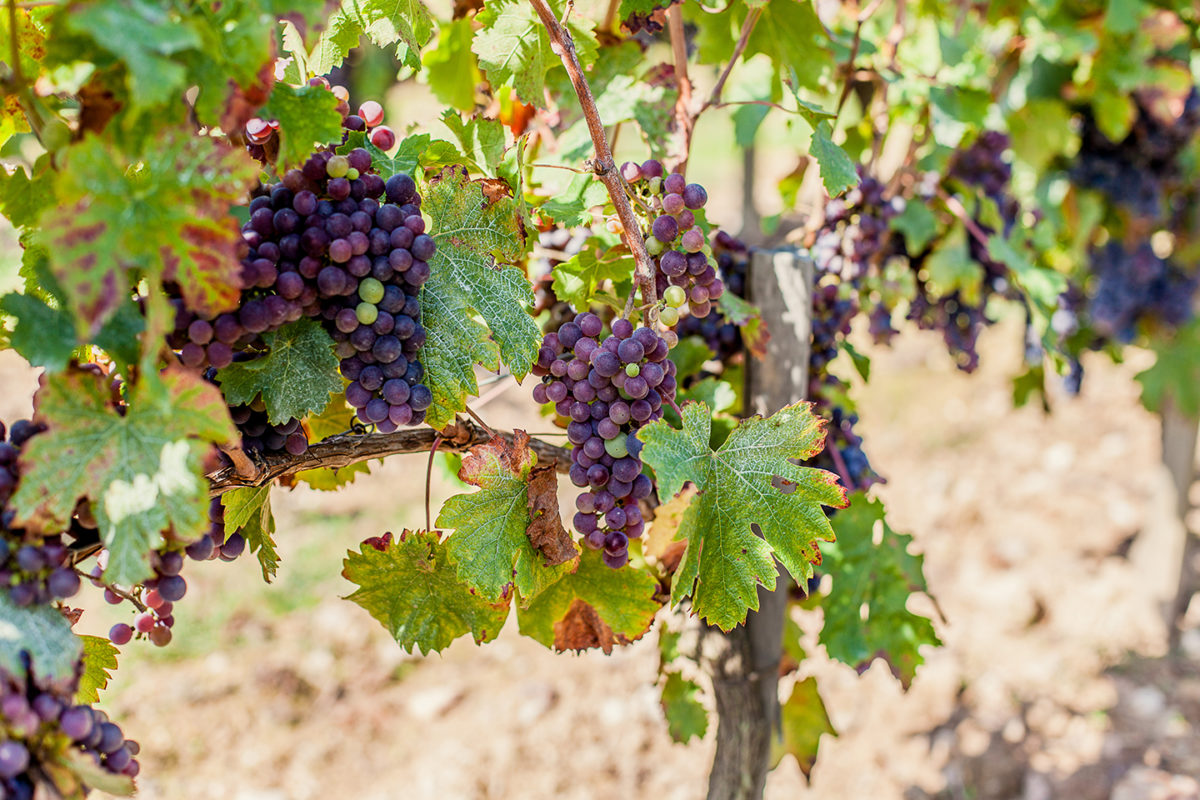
(675, 296)
(337, 167)
(669, 316)
(655, 185)
(351, 174)
(616, 447)
(633, 370)
(370, 290)
(654, 247)
(367, 313)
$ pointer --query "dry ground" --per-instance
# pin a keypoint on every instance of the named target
(1047, 545)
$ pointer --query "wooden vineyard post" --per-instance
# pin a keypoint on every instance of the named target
(744, 663)
(1179, 433)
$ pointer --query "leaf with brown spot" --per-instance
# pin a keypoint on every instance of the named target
(546, 530)
(592, 606)
(489, 546)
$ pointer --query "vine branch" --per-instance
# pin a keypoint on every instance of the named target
(685, 117)
(345, 449)
(603, 165)
(743, 39)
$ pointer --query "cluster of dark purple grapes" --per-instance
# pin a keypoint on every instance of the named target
(608, 389)
(1140, 171)
(1136, 286)
(674, 238)
(33, 569)
(259, 435)
(39, 724)
(723, 338)
(982, 164)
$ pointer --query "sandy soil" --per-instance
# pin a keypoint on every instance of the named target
(1047, 544)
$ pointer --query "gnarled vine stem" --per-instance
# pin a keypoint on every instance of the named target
(345, 449)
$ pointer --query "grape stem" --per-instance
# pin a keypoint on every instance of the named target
(121, 593)
(242, 464)
(603, 165)
(685, 119)
(743, 39)
(429, 481)
(958, 210)
(860, 20)
(345, 449)
(479, 419)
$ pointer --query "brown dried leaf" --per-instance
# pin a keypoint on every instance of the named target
(582, 629)
(546, 531)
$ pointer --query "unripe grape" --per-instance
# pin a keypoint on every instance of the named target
(616, 447)
(675, 296)
(367, 313)
(370, 290)
(352, 174)
(633, 370)
(337, 167)
(654, 247)
(669, 316)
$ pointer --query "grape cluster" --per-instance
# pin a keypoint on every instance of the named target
(674, 238)
(259, 435)
(722, 337)
(33, 569)
(1136, 286)
(1138, 172)
(40, 723)
(982, 164)
(262, 135)
(608, 389)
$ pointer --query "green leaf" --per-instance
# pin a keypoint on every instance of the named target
(689, 356)
(248, 512)
(593, 606)
(92, 775)
(307, 117)
(686, 715)
(166, 214)
(1043, 285)
(712, 392)
(489, 546)
(44, 633)
(479, 240)
(878, 578)
(726, 561)
(570, 206)
(1115, 112)
(1174, 378)
(142, 469)
(481, 140)
(951, 267)
(577, 279)
(329, 479)
(295, 377)
(450, 66)
(1041, 131)
(917, 224)
(514, 46)
(803, 719)
(23, 200)
(99, 658)
(409, 155)
(44, 336)
(837, 169)
(411, 588)
(1123, 16)
(792, 36)
(404, 23)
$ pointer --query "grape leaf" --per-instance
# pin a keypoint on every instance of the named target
(513, 45)
(89, 774)
(479, 238)
(577, 279)
(409, 585)
(307, 116)
(726, 561)
(44, 336)
(917, 224)
(406, 159)
(804, 719)
(481, 141)
(570, 206)
(404, 23)
(795, 40)
(686, 715)
(329, 479)
(489, 546)
(1175, 375)
(592, 606)
(877, 577)
(19, 201)
(546, 532)
(838, 172)
(44, 633)
(450, 66)
(248, 512)
(748, 318)
(99, 657)
(142, 470)
(296, 376)
(166, 214)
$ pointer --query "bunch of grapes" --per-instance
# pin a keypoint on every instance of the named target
(608, 389)
(982, 164)
(40, 723)
(1141, 170)
(722, 337)
(262, 135)
(1135, 286)
(259, 435)
(674, 238)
